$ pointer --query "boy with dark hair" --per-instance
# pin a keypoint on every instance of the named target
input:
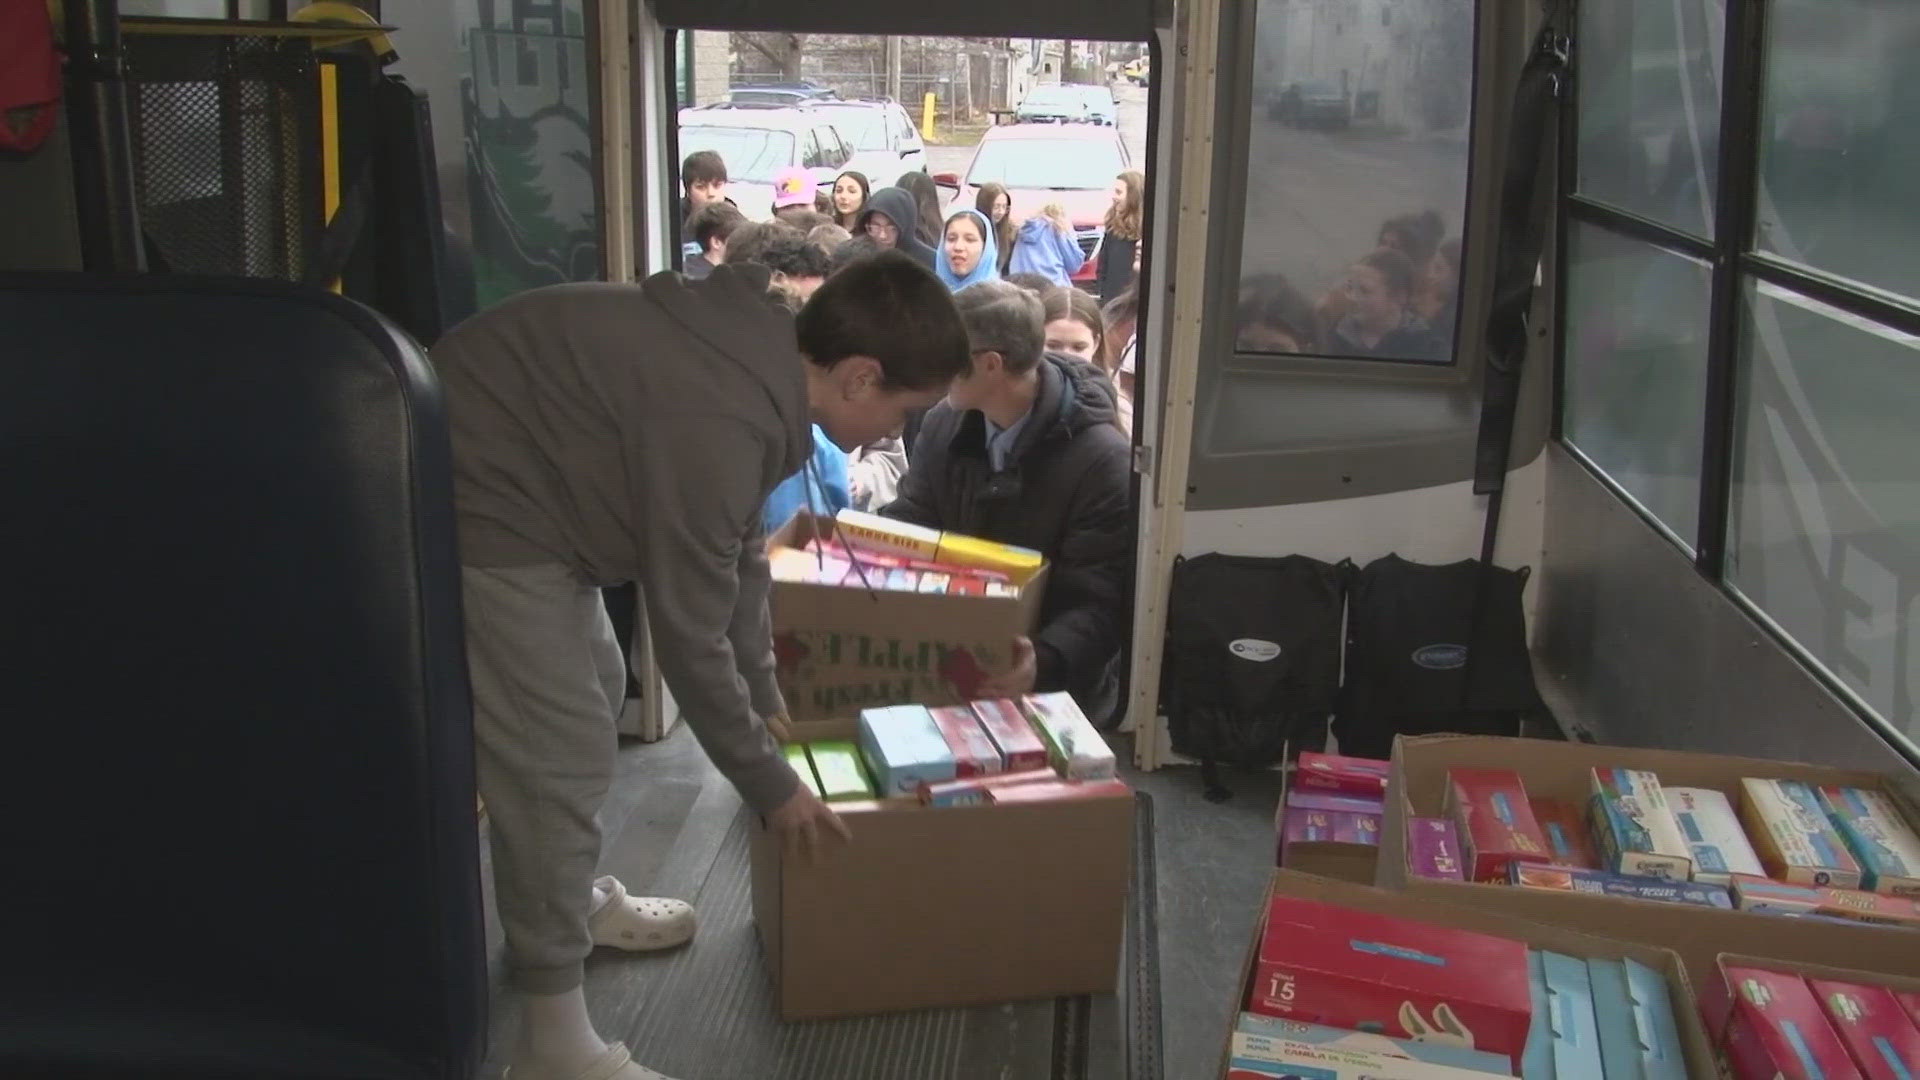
(1024, 450)
(612, 433)
(710, 228)
(703, 180)
(794, 260)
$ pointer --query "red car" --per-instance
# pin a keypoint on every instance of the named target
(1071, 164)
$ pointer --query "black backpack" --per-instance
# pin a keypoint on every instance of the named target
(1415, 666)
(1253, 657)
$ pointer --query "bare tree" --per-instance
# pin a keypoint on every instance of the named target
(780, 50)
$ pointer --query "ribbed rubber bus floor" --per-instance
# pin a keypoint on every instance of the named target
(706, 1012)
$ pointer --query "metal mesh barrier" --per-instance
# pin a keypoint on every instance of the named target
(225, 134)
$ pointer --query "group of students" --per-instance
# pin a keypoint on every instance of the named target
(605, 434)
(1398, 301)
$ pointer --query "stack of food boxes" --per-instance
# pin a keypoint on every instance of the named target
(892, 556)
(1333, 799)
(1343, 994)
(1785, 1024)
(1039, 747)
(1788, 848)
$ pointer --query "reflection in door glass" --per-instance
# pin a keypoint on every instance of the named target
(1824, 534)
(1356, 178)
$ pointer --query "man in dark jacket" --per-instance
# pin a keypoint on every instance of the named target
(1024, 450)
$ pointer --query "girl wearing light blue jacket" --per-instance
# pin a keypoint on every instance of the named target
(968, 254)
(1047, 247)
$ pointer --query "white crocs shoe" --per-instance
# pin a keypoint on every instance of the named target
(616, 1065)
(639, 923)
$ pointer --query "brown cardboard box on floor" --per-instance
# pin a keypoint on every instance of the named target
(1357, 863)
(1694, 1042)
(843, 649)
(961, 905)
(1561, 770)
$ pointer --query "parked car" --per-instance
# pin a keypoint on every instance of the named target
(885, 142)
(1101, 108)
(1071, 164)
(779, 94)
(1054, 103)
(1138, 71)
(1311, 104)
(756, 143)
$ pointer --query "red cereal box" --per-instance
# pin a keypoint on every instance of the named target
(1875, 1028)
(973, 751)
(1020, 746)
(1779, 1029)
(1341, 775)
(979, 789)
(1495, 820)
(1910, 1001)
(1569, 843)
(1325, 964)
(1050, 790)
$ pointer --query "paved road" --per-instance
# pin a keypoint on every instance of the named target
(1132, 101)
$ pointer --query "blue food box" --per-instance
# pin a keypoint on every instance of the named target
(1601, 883)
(1879, 836)
(1571, 1033)
(1432, 1053)
(1639, 1038)
(904, 749)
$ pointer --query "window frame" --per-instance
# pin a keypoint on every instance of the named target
(1735, 261)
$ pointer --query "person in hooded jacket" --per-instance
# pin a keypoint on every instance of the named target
(889, 220)
(1025, 451)
(967, 256)
(612, 433)
(1047, 247)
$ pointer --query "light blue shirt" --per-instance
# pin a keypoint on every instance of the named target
(1000, 440)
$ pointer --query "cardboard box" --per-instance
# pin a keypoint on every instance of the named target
(1569, 841)
(1432, 1053)
(1364, 971)
(1884, 1043)
(973, 751)
(1489, 807)
(840, 650)
(1768, 897)
(1879, 835)
(1339, 775)
(943, 907)
(1778, 1028)
(1790, 831)
(1560, 770)
(1634, 827)
(1694, 1043)
(1712, 830)
(1012, 734)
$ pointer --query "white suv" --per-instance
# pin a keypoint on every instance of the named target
(756, 143)
(886, 145)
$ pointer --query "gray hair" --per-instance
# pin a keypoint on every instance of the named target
(1006, 319)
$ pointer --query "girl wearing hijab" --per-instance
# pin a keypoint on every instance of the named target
(997, 203)
(888, 221)
(849, 194)
(927, 195)
(968, 255)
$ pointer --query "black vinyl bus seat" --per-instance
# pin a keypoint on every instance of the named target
(237, 819)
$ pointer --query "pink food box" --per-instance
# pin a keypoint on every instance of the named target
(1910, 1001)
(1883, 1042)
(1332, 826)
(1012, 733)
(1433, 849)
(1341, 775)
(1343, 804)
(973, 751)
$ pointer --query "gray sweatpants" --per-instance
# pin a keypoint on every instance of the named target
(548, 682)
